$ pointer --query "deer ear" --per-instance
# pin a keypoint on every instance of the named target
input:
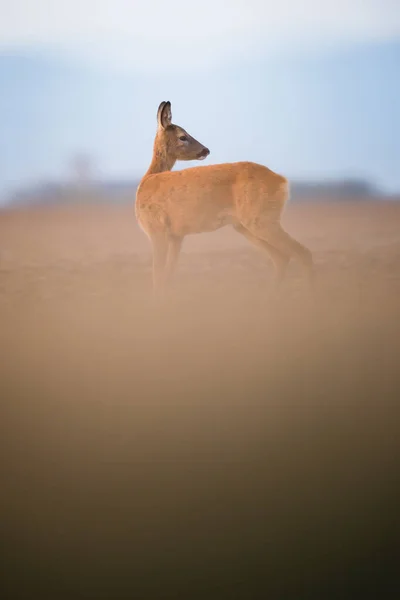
(164, 115)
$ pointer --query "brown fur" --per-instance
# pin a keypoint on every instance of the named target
(171, 205)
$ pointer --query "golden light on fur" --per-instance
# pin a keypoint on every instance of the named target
(245, 195)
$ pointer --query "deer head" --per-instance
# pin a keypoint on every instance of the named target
(178, 144)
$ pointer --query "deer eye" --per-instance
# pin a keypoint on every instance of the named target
(183, 138)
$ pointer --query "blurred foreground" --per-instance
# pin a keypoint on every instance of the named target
(227, 445)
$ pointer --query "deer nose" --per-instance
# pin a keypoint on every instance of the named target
(205, 152)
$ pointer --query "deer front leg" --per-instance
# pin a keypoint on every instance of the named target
(174, 248)
(160, 248)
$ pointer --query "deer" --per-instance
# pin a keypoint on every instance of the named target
(173, 204)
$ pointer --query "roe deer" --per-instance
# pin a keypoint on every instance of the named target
(246, 195)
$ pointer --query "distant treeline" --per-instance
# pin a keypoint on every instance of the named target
(120, 191)
(342, 189)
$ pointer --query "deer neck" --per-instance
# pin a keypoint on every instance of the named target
(161, 161)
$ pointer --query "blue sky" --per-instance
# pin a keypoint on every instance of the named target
(309, 88)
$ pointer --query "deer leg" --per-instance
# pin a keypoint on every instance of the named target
(279, 259)
(160, 248)
(174, 248)
(273, 233)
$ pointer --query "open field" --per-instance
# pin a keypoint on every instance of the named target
(225, 440)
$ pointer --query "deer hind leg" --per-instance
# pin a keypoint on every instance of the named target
(279, 259)
(273, 233)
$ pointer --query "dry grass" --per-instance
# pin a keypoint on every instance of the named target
(225, 440)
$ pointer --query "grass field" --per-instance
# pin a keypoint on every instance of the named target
(224, 441)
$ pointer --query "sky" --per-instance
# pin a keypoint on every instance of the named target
(178, 34)
(307, 87)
